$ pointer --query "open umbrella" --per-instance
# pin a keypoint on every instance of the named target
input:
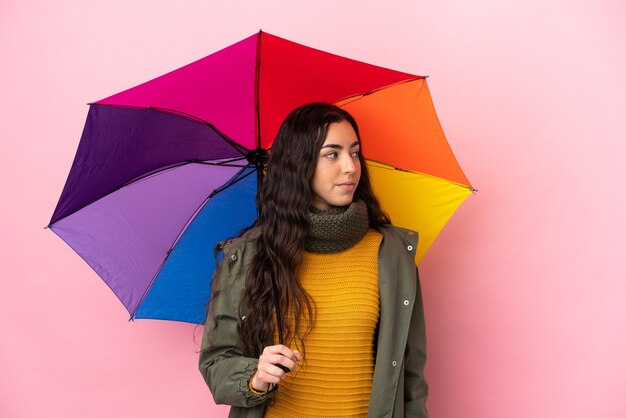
(166, 169)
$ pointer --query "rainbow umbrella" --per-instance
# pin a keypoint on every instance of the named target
(166, 169)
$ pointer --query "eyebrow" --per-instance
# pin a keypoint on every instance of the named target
(337, 146)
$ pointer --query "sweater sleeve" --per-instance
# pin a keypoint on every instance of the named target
(222, 364)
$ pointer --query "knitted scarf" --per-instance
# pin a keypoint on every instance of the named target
(337, 228)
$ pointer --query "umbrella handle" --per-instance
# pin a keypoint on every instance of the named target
(279, 322)
(281, 340)
(284, 368)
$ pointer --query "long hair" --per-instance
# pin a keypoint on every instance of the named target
(283, 205)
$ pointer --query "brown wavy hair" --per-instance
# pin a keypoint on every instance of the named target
(283, 205)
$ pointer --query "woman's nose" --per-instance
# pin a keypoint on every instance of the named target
(349, 165)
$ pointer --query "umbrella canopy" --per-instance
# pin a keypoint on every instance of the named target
(166, 169)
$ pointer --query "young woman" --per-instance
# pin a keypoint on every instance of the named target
(324, 269)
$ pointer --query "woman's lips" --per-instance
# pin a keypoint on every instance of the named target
(347, 186)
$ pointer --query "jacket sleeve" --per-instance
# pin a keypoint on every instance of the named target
(222, 364)
(415, 386)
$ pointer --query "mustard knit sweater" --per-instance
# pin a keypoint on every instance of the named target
(336, 377)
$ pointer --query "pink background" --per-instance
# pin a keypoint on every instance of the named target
(524, 290)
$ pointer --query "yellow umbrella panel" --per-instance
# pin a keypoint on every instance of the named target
(416, 201)
(414, 171)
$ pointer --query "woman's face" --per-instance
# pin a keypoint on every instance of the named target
(338, 169)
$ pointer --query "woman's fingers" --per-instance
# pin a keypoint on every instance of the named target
(282, 350)
(277, 359)
(267, 374)
(273, 371)
(274, 362)
(286, 357)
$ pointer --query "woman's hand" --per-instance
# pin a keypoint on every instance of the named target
(268, 373)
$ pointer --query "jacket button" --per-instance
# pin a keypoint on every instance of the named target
(243, 317)
(394, 363)
(233, 257)
(406, 302)
(410, 248)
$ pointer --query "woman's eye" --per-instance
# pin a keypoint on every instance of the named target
(355, 154)
(331, 155)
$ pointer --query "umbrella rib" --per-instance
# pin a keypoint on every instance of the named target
(146, 176)
(234, 180)
(239, 148)
(92, 267)
(359, 96)
(226, 163)
(384, 166)
(229, 141)
(257, 81)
